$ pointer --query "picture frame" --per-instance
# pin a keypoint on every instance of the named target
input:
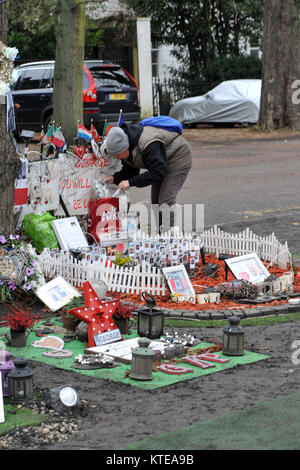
(69, 233)
(57, 293)
(248, 268)
(178, 280)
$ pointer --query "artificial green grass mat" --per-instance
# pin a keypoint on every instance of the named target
(272, 425)
(19, 417)
(117, 374)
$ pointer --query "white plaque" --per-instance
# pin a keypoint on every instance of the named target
(122, 350)
(69, 233)
(107, 337)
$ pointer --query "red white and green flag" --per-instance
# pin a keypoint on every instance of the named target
(58, 139)
(49, 134)
(42, 136)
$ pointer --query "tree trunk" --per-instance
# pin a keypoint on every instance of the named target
(281, 65)
(9, 161)
(68, 75)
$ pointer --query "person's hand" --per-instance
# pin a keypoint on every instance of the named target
(107, 179)
(124, 185)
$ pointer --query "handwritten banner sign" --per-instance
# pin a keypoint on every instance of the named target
(43, 182)
(76, 182)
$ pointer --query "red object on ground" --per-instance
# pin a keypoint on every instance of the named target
(174, 370)
(198, 282)
(197, 362)
(212, 357)
(97, 314)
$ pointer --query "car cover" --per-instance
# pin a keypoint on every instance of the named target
(231, 101)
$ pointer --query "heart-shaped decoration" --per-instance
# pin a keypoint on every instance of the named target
(79, 151)
(49, 342)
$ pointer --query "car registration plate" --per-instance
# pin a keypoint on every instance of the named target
(117, 96)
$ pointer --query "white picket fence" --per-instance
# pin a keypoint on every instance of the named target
(144, 277)
(132, 280)
(217, 241)
(267, 248)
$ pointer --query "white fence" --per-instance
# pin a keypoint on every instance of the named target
(268, 248)
(144, 277)
(217, 241)
(133, 280)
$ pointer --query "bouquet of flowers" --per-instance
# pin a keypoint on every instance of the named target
(26, 275)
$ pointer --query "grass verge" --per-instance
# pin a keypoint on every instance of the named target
(266, 320)
(19, 417)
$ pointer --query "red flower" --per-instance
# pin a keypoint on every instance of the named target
(123, 311)
(20, 319)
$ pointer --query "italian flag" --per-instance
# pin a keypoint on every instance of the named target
(58, 139)
(49, 134)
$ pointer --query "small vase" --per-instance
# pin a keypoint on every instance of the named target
(69, 323)
(18, 339)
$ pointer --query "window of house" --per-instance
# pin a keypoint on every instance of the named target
(154, 54)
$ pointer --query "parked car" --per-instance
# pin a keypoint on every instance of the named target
(107, 88)
(233, 101)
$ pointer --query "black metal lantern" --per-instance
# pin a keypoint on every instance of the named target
(142, 361)
(20, 381)
(233, 337)
(150, 319)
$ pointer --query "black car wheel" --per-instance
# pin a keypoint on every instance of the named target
(47, 123)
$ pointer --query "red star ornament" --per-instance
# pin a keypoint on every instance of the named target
(90, 313)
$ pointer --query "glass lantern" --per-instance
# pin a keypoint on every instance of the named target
(233, 337)
(150, 320)
(20, 381)
(142, 361)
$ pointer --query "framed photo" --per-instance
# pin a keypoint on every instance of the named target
(178, 280)
(248, 268)
(69, 233)
(57, 293)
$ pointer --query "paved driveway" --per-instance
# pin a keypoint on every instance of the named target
(244, 180)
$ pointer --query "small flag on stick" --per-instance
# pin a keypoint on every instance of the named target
(84, 133)
(121, 118)
(58, 138)
(95, 134)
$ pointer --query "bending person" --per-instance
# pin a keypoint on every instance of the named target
(165, 155)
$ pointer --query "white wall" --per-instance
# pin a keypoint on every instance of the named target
(143, 28)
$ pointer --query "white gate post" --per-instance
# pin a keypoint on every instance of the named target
(145, 66)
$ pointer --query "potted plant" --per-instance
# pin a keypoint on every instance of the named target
(69, 321)
(121, 317)
(19, 322)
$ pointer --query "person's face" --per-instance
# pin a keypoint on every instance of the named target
(123, 155)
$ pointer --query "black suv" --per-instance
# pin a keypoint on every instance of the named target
(107, 89)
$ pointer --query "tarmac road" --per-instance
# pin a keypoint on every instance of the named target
(244, 183)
